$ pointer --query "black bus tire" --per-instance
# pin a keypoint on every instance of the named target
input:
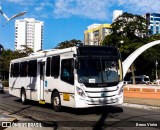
(56, 102)
(23, 97)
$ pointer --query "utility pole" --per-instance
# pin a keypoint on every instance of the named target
(156, 69)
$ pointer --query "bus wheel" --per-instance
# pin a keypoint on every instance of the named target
(56, 102)
(23, 97)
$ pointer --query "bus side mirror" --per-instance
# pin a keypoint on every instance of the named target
(76, 64)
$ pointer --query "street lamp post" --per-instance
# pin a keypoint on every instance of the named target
(1, 50)
(156, 69)
(13, 17)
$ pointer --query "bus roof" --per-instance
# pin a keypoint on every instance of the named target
(93, 50)
(45, 53)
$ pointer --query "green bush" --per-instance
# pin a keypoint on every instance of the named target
(5, 83)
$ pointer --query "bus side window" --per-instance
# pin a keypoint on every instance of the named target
(55, 66)
(12, 67)
(48, 67)
(32, 68)
(23, 69)
(67, 69)
(16, 70)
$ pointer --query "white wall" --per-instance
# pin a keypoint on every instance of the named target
(37, 37)
(34, 29)
(21, 35)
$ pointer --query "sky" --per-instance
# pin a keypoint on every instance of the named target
(67, 19)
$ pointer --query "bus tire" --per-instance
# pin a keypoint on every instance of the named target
(56, 102)
(23, 97)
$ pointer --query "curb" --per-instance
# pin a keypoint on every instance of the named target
(6, 118)
(138, 106)
(11, 119)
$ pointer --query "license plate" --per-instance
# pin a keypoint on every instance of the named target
(103, 101)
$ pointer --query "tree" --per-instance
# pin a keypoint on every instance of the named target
(149, 57)
(127, 33)
(67, 44)
(129, 25)
(27, 50)
(6, 57)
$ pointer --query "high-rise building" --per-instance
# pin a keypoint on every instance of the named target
(96, 33)
(28, 32)
(153, 20)
(116, 14)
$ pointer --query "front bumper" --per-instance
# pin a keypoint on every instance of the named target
(92, 102)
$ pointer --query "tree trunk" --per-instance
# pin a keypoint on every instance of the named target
(133, 74)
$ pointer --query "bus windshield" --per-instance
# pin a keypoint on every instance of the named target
(98, 70)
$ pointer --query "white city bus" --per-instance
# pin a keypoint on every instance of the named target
(78, 77)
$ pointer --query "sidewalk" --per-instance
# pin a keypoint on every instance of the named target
(142, 103)
(142, 96)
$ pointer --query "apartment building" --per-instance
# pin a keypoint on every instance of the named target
(153, 20)
(28, 32)
(95, 33)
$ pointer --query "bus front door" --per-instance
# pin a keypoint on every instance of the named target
(42, 69)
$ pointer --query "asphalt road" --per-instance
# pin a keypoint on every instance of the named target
(114, 118)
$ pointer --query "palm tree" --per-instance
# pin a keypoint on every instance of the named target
(27, 49)
(67, 44)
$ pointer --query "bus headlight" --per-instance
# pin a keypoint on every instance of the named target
(80, 92)
(120, 91)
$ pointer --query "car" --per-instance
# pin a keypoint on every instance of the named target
(141, 79)
(1, 87)
(157, 81)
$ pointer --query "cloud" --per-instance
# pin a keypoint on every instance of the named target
(16, 1)
(43, 6)
(22, 2)
(34, 8)
(91, 9)
(140, 6)
(102, 9)
(94, 9)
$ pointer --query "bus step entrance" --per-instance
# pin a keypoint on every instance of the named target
(41, 101)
